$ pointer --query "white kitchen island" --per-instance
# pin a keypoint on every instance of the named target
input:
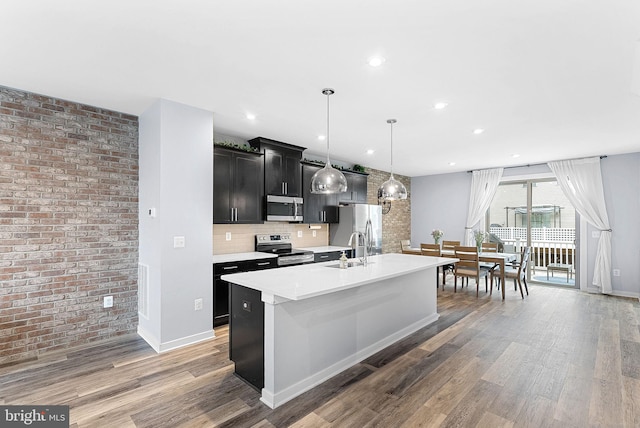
(320, 320)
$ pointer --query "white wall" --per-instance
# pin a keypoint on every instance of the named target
(176, 177)
(441, 201)
(621, 181)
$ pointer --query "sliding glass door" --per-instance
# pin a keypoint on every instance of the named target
(536, 213)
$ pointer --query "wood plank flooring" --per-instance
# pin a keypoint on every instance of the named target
(558, 358)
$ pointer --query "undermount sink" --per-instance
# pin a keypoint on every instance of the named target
(349, 264)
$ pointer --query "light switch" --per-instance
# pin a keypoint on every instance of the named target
(313, 232)
(299, 234)
(227, 236)
(178, 242)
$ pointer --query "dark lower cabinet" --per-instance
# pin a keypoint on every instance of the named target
(329, 255)
(221, 288)
(246, 335)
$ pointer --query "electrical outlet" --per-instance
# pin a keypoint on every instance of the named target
(313, 232)
(178, 242)
(299, 234)
(108, 302)
(616, 272)
(198, 304)
(227, 236)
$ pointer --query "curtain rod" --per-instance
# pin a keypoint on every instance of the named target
(534, 164)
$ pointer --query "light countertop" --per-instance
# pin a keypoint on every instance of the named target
(310, 280)
(238, 257)
(325, 249)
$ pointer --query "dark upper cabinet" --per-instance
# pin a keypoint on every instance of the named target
(237, 186)
(281, 167)
(317, 208)
(356, 188)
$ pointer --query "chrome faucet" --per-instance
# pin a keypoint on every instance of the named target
(359, 235)
(366, 243)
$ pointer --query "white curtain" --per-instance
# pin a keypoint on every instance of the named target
(581, 182)
(484, 184)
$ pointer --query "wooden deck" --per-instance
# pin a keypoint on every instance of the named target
(558, 358)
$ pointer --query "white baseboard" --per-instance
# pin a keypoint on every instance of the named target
(630, 294)
(174, 344)
(274, 400)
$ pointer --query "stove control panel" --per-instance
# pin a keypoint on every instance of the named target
(273, 238)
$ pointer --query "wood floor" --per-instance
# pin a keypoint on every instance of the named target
(559, 358)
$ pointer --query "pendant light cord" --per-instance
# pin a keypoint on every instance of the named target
(328, 161)
(391, 122)
(392, 149)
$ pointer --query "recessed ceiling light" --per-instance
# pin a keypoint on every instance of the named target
(515, 155)
(452, 163)
(478, 131)
(251, 116)
(440, 106)
(370, 151)
(376, 61)
(322, 137)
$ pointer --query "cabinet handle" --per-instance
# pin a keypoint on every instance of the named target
(323, 257)
(286, 188)
(229, 267)
(236, 214)
(282, 188)
(263, 263)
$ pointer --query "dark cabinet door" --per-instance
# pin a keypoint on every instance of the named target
(221, 291)
(237, 186)
(247, 188)
(356, 189)
(281, 167)
(317, 208)
(282, 172)
(246, 335)
(222, 186)
(273, 177)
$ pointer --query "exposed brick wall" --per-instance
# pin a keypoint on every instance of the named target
(68, 223)
(396, 225)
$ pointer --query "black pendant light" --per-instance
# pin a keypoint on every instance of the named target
(328, 179)
(392, 189)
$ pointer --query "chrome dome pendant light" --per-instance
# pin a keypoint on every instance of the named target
(328, 179)
(392, 189)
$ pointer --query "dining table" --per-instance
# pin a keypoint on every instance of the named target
(500, 259)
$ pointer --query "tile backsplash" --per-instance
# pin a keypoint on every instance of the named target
(243, 236)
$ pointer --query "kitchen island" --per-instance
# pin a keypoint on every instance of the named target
(293, 328)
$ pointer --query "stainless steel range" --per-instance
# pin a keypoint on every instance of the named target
(280, 244)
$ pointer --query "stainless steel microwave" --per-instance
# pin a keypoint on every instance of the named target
(284, 208)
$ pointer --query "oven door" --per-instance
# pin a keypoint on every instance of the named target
(284, 208)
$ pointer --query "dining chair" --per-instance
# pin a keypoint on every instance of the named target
(488, 247)
(518, 273)
(448, 249)
(468, 266)
(405, 245)
(433, 250)
(450, 245)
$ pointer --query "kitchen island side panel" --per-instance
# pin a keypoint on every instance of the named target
(308, 341)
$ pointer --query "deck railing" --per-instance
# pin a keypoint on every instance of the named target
(548, 244)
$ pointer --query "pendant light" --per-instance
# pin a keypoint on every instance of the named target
(392, 189)
(328, 179)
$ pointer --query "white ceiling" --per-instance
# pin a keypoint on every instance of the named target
(546, 79)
